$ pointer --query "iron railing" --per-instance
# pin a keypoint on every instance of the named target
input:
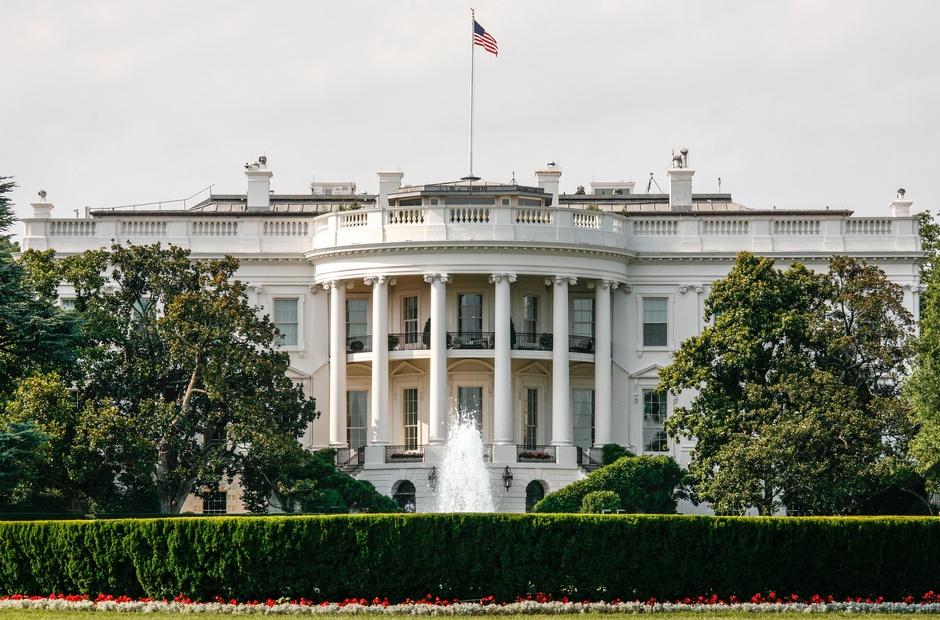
(581, 344)
(358, 344)
(533, 341)
(348, 459)
(535, 454)
(408, 341)
(470, 340)
(404, 454)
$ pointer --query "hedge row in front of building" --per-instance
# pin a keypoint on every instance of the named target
(592, 557)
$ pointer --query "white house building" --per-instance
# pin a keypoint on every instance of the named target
(546, 315)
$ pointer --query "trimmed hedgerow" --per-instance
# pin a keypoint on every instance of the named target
(647, 484)
(469, 556)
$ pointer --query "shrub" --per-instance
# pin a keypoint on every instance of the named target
(643, 483)
(469, 556)
(599, 501)
(612, 451)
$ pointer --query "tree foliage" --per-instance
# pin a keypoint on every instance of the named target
(796, 378)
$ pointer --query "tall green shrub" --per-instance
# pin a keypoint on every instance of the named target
(643, 483)
(469, 556)
(597, 502)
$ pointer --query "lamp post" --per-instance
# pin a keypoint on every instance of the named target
(432, 477)
(507, 477)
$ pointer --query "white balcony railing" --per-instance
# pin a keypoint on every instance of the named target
(659, 233)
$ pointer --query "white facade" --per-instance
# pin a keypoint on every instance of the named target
(550, 314)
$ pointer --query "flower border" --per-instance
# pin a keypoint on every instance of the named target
(428, 606)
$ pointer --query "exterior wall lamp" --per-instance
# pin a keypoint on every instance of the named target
(507, 477)
(432, 477)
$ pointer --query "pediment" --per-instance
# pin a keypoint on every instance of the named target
(404, 369)
(649, 372)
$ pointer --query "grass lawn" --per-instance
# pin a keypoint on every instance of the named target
(19, 614)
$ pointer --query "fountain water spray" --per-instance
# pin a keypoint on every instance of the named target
(463, 481)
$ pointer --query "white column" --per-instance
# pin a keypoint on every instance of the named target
(438, 376)
(562, 427)
(602, 336)
(380, 413)
(337, 290)
(502, 362)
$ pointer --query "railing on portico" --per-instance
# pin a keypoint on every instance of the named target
(404, 454)
(358, 344)
(535, 454)
(533, 341)
(408, 341)
(471, 340)
(590, 458)
(581, 344)
(349, 459)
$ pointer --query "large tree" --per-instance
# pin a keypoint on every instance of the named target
(35, 335)
(180, 373)
(796, 383)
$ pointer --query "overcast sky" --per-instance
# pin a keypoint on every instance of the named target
(793, 104)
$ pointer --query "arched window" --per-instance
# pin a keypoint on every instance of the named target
(405, 495)
(533, 493)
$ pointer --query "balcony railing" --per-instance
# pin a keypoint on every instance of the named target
(533, 341)
(348, 459)
(404, 454)
(358, 344)
(581, 344)
(408, 341)
(470, 340)
(590, 458)
(535, 454)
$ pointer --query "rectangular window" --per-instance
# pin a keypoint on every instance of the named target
(583, 317)
(531, 429)
(67, 303)
(357, 403)
(530, 316)
(357, 325)
(654, 420)
(470, 402)
(583, 414)
(214, 503)
(655, 321)
(410, 417)
(286, 321)
(470, 315)
(409, 319)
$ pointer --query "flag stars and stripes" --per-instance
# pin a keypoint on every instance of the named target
(484, 39)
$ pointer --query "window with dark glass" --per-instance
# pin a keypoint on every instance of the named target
(470, 314)
(470, 403)
(286, 321)
(357, 324)
(410, 417)
(655, 321)
(531, 428)
(582, 323)
(409, 319)
(214, 503)
(356, 412)
(654, 421)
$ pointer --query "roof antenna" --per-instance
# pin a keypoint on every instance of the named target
(719, 185)
(513, 182)
(652, 182)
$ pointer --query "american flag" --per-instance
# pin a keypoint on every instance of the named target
(484, 39)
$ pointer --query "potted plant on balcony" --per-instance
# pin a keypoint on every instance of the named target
(392, 342)
(534, 455)
(545, 342)
(356, 345)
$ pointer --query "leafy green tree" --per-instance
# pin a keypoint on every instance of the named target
(180, 372)
(283, 475)
(35, 335)
(20, 455)
(796, 377)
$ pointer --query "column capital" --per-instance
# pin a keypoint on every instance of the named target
(255, 288)
(315, 288)
(558, 280)
(375, 280)
(496, 277)
(611, 284)
(330, 284)
(430, 277)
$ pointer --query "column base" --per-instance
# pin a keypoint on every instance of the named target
(375, 455)
(566, 455)
(504, 453)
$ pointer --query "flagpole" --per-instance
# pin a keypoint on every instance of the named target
(472, 46)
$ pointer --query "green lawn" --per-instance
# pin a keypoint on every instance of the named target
(18, 614)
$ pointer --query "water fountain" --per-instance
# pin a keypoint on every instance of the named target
(463, 481)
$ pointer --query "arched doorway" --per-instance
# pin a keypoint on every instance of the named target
(534, 491)
(404, 494)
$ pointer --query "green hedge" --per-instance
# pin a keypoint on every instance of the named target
(644, 483)
(469, 556)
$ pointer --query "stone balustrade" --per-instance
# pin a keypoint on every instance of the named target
(665, 233)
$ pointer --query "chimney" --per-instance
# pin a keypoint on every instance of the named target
(548, 178)
(900, 206)
(259, 185)
(680, 182)
(42, 210)
(389, 182)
